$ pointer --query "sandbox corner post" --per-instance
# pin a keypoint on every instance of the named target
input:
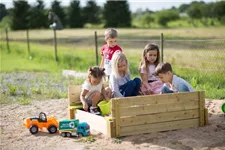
(201, 108)
(116, 116)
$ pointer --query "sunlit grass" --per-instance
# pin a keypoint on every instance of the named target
(203, 69)
(43, 58)
(122, 32)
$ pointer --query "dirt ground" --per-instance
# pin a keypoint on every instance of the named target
(15, 136)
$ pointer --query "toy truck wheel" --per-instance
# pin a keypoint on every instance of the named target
(80, 135)
(33, 129)
(52, 129)
(68, 134)
(63, 134)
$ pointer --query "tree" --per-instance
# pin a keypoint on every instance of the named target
(117, 14)
(38, 17)
(20, 14)
(183, 8)
(3, 11)
(74, 15)
(57, 9)
(207, 12)
(166, 16)
(91, 12)
(219, 10)
(147, 19)
(194, 11)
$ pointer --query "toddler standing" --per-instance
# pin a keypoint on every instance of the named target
(108, 50)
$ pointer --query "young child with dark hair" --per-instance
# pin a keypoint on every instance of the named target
(93, 90)
(172, 83)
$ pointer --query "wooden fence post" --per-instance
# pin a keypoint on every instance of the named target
(161, 45)
(28, 43)
(96, 47)
(7, 40)
(55, 43)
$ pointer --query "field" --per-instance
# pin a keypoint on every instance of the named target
(123, 32)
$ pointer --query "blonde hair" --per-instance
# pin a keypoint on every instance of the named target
(119, 57)
(145, 62)
(110, 33)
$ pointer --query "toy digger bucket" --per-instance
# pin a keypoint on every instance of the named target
(223, 107)
(105, 107)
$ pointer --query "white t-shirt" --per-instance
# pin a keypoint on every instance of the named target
(91, 88)
(107, 66)
(151, 75)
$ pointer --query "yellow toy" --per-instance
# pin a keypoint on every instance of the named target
(34, 124)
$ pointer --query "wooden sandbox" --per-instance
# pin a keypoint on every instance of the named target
(144, 114)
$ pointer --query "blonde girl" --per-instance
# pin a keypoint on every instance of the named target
(120, 82)
(93, 90)
(150, 59)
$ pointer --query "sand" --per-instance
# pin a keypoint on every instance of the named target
(15, 136)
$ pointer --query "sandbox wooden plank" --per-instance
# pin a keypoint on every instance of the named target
(158, 108)
(157, 99)
(165, 126)
(96, 122)
(160, 117)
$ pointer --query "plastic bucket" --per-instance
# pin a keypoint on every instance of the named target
(105, 107)
(223, 107)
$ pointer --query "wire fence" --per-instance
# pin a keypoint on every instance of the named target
(201, 54)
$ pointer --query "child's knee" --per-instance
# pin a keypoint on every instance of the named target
(165, 89)
(137, 81)
(95, 95)
(183, 88)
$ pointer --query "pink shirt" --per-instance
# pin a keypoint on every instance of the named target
(151, 75)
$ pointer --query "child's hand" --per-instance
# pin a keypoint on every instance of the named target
(149, 91)
(85, 106)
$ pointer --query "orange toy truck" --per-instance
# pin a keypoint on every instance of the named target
(34, 124)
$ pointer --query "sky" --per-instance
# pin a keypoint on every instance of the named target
(152, 5)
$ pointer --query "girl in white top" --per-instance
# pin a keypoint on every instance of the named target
(151, 84)
(93, 90)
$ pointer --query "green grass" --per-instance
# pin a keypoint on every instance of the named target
(80, 58)
(43, 58)
(47, 34)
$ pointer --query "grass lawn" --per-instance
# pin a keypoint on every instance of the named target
(80, 58)
(122, 32)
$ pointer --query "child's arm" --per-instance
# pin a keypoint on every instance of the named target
(102, 62)
(82, 98)
(144, 79)
(105, 97)
(115, 86)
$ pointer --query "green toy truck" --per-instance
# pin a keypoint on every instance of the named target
(72, 127)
